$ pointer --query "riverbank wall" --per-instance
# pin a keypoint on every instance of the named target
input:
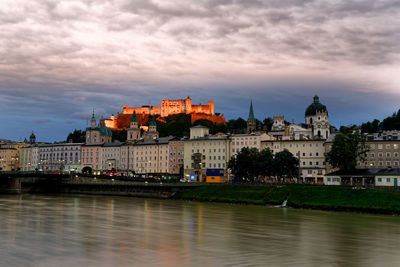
(383, 201)
(102, 187)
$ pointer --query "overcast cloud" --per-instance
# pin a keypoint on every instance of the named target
(60, 59)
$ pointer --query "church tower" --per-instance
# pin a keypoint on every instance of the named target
(98, 134)
(316, 117)
(133, 132)
(93, 121)
(251, 121)
(152, 132)
(32, 138)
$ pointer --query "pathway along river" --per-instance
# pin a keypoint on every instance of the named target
(37, 230)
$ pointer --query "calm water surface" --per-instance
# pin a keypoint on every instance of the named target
(122, 231)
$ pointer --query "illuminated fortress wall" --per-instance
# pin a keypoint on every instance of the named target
(167, 107)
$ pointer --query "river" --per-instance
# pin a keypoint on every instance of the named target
(48, 230)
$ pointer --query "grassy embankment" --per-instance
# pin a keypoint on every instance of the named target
(301, 196)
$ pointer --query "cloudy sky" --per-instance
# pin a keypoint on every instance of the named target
(61, 59)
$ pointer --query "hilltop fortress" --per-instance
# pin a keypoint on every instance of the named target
(166, 108)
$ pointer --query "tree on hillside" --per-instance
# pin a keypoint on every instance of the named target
(119, 135)
(348, 147)
(238, 125)
(267, 123)
(370, 127)
(176, 125)
(387, 124)
(214, 128)
(285, 164)
(77, 136)
(392, 122)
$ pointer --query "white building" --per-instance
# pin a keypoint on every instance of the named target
(63, 157)
(204, 152)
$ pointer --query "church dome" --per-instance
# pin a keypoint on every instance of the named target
(315, 107)
(105, 130)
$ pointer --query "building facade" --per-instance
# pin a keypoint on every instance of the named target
(311, 155)
(384, 151)
(151, 156)
(204, 153)
(240, 141)
(176, 150)
(10, 156)
(61, 157)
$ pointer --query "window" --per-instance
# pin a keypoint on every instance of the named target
(380, 180)
(388, 180)
(329, 179)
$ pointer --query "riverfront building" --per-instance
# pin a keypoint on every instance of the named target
(385, 177)
(62, 157)
(152, 155)
(10, 156)
(311, 155)
(203, 152)
(384, 151)
(253, 140)
(96, 136)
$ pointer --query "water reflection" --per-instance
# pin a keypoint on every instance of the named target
(117, 231)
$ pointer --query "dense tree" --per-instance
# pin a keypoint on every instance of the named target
(77, 136)
(389, 123)
(265, 161)
(214, 128)
(251, 164)
(238, 125)
(392, 122)
(285, 164)
(176, 125)
(348, 147)
(267, 123)
(370, 127)
(119, 135)
(244, 165)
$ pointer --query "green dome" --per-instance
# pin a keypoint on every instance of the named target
(315, 106)
(32, 135)
(105, 131)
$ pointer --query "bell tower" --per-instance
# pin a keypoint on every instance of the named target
(133, 132)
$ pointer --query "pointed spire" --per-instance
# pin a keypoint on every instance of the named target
(251, 112)
(93, 118)
(134, 117)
